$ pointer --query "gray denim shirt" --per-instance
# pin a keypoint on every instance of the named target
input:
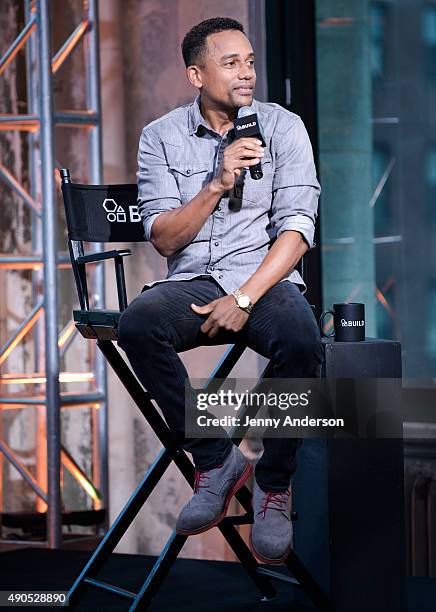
(179, 154)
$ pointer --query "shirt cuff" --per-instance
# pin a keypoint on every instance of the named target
(302, 224)
(147, 223)
(150, 209)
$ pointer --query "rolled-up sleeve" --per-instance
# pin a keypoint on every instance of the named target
(157, 187)
(295, 186)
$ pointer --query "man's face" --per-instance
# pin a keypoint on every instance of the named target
(227, 76)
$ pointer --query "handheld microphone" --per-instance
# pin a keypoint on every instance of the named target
(247, 125)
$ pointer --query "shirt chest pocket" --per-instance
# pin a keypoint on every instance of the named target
(250, 190)
(190, 177)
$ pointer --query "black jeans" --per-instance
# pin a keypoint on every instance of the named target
(160, 323)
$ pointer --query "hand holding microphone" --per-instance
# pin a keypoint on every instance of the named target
(245, 152)
(242, 153)
(247, 126)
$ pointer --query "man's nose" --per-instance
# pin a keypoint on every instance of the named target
(245, 72)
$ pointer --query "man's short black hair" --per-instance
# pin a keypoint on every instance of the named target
(194, 43)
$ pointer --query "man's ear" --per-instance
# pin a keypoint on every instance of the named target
(194, 76)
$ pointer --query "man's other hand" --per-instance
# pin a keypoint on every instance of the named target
(223, 313)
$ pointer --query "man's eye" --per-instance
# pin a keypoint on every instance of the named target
(251, 62)
(230, 63)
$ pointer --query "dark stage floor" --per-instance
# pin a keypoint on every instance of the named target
(191, 586)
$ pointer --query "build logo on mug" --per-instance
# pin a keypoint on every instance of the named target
(348, 322)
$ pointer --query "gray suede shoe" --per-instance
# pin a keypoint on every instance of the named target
(271, 534)
(213, 491)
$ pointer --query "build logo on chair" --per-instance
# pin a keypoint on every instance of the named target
(117, 214)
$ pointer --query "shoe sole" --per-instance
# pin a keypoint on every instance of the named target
(267, 559)
(238, 484)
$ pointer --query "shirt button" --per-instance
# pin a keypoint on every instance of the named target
(212, 269)
(219, 208)
(220, 276)
(216, 243)
(188, 171)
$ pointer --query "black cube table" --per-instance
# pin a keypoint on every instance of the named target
(350, 499)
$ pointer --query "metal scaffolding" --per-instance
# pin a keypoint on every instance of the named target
(45, 262)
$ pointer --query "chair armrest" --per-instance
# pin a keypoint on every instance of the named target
(94, 257)
(117, 256)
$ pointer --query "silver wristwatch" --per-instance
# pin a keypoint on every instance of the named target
(243, 301)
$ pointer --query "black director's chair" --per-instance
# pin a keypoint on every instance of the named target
(109, 213)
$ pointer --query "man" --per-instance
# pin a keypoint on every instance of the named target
(214, 223)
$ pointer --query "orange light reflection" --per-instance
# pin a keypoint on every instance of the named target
(37, 378)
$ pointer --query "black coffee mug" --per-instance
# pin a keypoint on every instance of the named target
(348, 322)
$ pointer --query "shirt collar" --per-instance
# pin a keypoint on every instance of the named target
(195, 118)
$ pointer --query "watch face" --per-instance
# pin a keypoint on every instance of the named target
(244, 301)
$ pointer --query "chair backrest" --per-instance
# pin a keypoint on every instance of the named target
(98, 213)
(101, 213)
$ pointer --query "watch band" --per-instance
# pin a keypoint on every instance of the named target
(243, 297)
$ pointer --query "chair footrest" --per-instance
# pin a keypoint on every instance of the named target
(247, 519)
(239, 519)
(285, 578)
(110, 588)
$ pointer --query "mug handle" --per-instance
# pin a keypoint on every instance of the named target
(321, 323)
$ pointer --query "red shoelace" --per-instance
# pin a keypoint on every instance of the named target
(278, 501)
(199, 480)
(201, 476)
